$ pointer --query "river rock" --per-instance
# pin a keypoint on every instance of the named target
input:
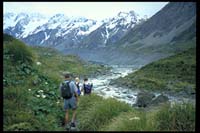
(189, 90)
(144, 99)
(107, 89)
(124, 91)
(116, 73)
(159, 99)
(129, 96)
(117, 96)
(117, 92)
(112, 82)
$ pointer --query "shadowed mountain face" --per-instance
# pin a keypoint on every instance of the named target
(123, 39)
(166, 26)
(171, 30)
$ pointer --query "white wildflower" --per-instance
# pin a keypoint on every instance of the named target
(57, 102)
(46, 83)
(43, 96)
(29, 89)
(38, 63)
(172, 104)
(134, 118)
(40, 91)
(38, 95)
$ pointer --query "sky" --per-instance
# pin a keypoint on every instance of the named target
(91, 10)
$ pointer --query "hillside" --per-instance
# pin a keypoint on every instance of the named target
(30, 85)
(175, 74)
(31, 78)
(169, 25)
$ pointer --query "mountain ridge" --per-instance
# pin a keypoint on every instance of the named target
(58, 30)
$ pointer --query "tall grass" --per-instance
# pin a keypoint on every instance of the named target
(128, 121)
(180, 117)
(99, 113)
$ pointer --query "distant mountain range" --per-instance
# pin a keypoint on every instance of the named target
(126, 38)
(61, 31)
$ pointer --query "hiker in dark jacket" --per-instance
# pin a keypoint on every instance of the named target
(87, 87)
(70, 103)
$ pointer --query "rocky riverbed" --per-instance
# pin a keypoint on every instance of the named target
(104, 87)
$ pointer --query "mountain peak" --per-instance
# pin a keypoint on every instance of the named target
(122, 14)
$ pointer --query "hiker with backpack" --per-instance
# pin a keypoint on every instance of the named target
(69, 93)
(87, 87)
(78, 85)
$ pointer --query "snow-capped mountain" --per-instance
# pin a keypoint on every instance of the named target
(62, 31)
(36, 29)
(113, 29)
(21, 25)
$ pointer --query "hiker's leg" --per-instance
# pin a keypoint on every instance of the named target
(74, 115)
(66, 117)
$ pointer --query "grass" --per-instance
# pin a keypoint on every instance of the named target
(128, 121)
(175, 73)
(93, 115)
(31, 100)
(180, 117)
(97, 114)
(32, 90)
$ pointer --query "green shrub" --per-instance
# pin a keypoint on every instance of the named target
(7, 38)
(179, 117)
(18, 51)
(23, 126)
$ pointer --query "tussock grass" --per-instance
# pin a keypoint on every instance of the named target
(99, 113)
(179, 117)
(128, 121)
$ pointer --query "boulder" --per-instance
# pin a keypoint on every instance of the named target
(107, 89)
(112, 82)
(124, 91)
(129, 96)
(159, 99)
(144, 99)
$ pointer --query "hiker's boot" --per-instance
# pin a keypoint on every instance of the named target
(73, 126)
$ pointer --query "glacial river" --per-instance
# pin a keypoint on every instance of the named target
(102, 87)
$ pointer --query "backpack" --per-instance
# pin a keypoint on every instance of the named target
(66, 91)
(78, 91)
(87, 88)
